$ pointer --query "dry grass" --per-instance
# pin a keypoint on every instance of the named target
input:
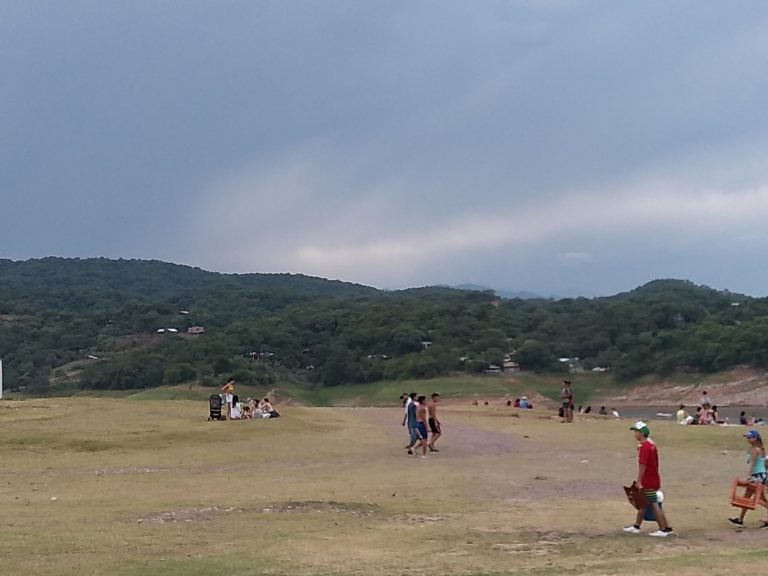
(152, 488)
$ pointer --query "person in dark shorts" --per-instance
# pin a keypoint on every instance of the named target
(434, 422)
(421, 426)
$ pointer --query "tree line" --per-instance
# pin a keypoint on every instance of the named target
(93, 324)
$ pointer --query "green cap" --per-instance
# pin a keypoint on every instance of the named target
(641, 426)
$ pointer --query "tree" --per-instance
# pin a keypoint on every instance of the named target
(535, 355)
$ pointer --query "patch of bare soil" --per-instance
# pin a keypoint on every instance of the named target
(68, 373)
(465, 439)
(19, 404)
(129, 470)
(739, 387)
(207, 513)
(538, 542)
(190, 515)
(348, 508)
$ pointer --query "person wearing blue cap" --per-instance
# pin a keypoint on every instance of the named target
(649, 481)
(756, 473)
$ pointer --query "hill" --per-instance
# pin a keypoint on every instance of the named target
(522, 294)
(126, 324)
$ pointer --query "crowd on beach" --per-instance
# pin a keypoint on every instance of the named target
(706, 413)
(248, 410)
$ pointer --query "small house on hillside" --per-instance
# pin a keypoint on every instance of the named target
(511, 366)
(194, 330)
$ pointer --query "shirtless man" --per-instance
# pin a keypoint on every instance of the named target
(421, 426)
(434, 422)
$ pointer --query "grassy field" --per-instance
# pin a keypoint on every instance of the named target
(479, 387)
(118, 487)
(383, 393)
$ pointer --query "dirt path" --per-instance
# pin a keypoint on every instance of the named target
(464, 438)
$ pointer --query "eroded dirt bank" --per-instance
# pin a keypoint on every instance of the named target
(740, 387)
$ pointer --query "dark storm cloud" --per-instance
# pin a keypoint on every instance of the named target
(525, 145)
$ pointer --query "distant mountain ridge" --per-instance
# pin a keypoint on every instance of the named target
(75, 283)
(522, 294)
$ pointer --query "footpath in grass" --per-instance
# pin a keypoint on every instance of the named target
(112, 486)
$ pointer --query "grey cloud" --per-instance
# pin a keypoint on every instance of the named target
(301, 136)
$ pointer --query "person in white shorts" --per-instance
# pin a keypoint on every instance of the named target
(229, 390)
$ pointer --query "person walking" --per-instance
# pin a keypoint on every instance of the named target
(421, 426)
(756, 473)
(409, 418)
(648, 480)
(434, 422)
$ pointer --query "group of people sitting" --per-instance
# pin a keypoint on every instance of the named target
(706, 413)
(521, 402)
(588, 410)
(247, 410)
(251, 409)
(745, 420)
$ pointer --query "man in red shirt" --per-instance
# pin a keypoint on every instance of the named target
(648, 480)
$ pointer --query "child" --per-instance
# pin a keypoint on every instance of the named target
(756, 472)
(235, 410)
(649, 481)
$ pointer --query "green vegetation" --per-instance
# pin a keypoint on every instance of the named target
(94, 324)
(465, 387)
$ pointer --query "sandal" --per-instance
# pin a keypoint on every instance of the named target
(763, 524)
(736, 521)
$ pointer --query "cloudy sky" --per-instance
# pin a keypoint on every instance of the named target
(560, 147)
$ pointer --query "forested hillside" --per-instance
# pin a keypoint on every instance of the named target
(119, 324)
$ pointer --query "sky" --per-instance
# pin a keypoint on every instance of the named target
(558, 147)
